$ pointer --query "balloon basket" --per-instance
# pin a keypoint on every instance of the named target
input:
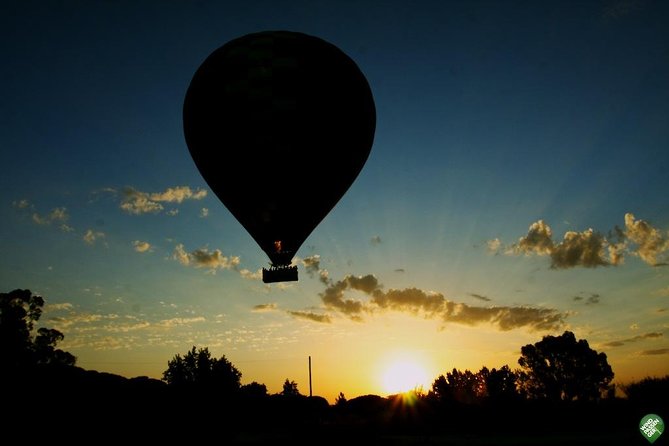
(280, 274)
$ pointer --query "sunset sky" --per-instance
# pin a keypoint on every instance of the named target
(517, 187)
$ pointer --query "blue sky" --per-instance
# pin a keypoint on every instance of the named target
(502, 127)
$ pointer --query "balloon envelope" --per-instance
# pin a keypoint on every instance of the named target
(279, 124)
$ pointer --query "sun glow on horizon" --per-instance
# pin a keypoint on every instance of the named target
(404, 374)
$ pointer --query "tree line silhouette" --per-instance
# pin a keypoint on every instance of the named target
(562, 387)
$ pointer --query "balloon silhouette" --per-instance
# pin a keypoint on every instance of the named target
(279, 124)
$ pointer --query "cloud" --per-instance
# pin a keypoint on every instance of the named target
(663, 292)
(592, 299)
(265, 307)
(651, 243)
(376, 240)
(621, 342)
(250, 275)
(65, 306)
(312, 265)
(137, 202)
(579, 249)
(537, 241)
(323, 318)
(204, 212)
(22, 204)
(658, 351)
(141, 246)
(57, 215)
(590, 248)
(480, 297)
(203, 258)
(494, 245)
(177, 321)
(91, 237)
(432, 305)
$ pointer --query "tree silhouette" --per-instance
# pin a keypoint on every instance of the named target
(254, 390)
(290, 388)
(340, 400)
(19, 311)
(501, 384)
(198, 368)
(561, 368)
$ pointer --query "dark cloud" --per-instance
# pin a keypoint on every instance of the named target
(592, 299)
(585, 248)
(399, 270)
(312, 265)
(324, 318)
(265, 307)
(480, 297)
(376, 240)
(621, 342)
(432, 305)
(658, 351)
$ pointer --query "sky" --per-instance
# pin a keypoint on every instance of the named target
(516, 188)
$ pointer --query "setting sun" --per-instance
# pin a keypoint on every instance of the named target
(403, 375)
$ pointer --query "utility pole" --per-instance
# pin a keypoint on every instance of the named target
(310, 394)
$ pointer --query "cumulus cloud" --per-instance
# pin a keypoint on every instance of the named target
(621, 342)
(590, 248)
(323, 318)
(537, 241)
(138, 202)
(91, 237)
(651, 243)
(203, 258)
(431, 304)
(141, 246)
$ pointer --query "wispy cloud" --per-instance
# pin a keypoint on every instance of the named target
(177, 321)
(621, 342)
(480, 297)
(137, 202)
(657, 351)
(590, 248)
(376, 240)
(315, 317)
(590, 300)
(58, 216)
(265, 307)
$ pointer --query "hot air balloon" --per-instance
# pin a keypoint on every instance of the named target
(279, 124)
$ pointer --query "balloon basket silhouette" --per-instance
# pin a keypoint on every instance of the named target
(280, 273)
